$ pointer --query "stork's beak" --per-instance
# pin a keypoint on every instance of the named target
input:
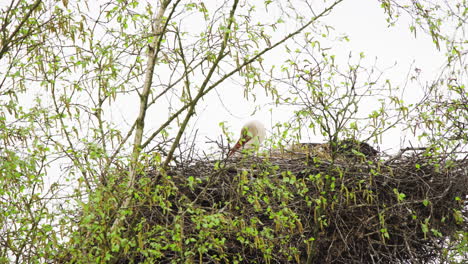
(240, 143)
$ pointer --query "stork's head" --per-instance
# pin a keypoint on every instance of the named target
(252, 134)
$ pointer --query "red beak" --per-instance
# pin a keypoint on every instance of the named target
(240, 143)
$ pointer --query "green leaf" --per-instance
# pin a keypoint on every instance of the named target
(425, 202)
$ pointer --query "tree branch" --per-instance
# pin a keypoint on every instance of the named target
(237, 69)
(153, 51)
(6, 42)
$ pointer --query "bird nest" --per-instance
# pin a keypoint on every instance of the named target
(307, 208)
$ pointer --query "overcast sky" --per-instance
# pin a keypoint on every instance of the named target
(364, 22)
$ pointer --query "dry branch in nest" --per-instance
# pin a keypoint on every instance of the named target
(306, 209)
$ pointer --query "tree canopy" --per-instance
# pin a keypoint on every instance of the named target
(97, 163)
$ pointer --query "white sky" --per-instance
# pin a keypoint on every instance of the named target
(364, 22)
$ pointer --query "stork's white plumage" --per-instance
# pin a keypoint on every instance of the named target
(252, 134)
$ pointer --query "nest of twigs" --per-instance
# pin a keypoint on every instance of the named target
(306, 209)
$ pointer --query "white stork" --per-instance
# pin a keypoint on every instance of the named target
(252, 134)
